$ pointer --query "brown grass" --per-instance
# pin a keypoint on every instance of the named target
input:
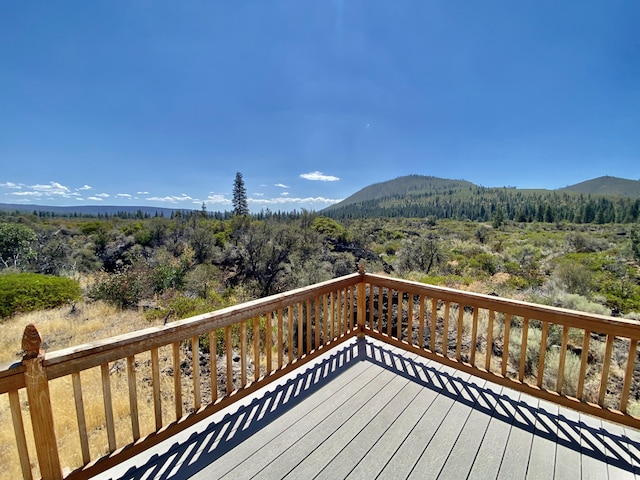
(61, 328)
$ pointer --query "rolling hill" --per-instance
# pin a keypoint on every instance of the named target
(612, 186)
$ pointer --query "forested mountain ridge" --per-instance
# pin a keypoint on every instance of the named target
(420, 196)
(608, 186)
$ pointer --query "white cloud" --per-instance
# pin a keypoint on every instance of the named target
(258, 194)
(95, 199)
(284, 193)
(142, 193)
(10, 185)
(124, 195)
(84, 187)
(171, 198)
(281, 185)
(285, 200)
(319, 176)
(103, 195)
(218, 199)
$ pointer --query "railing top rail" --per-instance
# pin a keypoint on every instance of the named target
(65, 361)
(11, 377)
(572, 318)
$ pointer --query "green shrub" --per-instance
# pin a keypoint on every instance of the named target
(124, 288)
(25, 292)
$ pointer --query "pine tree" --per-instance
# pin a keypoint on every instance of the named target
(240, 206)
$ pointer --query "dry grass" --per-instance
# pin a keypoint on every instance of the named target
(60, 328)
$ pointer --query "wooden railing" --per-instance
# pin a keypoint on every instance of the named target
(579, 360)
(249, 346)
(184, 371)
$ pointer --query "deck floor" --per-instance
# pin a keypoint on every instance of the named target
(379, 412)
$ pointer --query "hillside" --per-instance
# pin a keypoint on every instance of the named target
(410, 185)
(89, 210)
(611, 186)
(421, 196)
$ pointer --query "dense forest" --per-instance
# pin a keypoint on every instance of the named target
(482, 204)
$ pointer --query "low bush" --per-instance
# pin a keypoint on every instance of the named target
(26, 292)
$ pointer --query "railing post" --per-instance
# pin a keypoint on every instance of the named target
(362, 301)
(37, 386)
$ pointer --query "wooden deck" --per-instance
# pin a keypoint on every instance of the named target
(369, 410)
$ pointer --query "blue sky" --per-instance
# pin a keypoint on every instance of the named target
(161, 103)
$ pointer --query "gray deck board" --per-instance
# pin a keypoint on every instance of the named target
(388, 414)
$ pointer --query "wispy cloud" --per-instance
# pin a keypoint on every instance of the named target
(95, 199)
(171, 198)
(284, 193)
(218, 199)
(281, 185)
(296, 200)
(142, 193)
(319, 176)
(84, 187)
(10, 185)
(102, 195)
(124, 195)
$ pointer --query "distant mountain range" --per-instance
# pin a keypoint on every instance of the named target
(420, 195)
(601, 200)
(90, 210)
(417, 185)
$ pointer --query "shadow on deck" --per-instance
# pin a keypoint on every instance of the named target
(555, 440)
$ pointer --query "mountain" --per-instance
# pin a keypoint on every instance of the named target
(410, 185)
(89, 210)
(612, 186)
(417, 196)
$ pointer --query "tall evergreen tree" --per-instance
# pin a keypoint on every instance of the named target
(240, 206)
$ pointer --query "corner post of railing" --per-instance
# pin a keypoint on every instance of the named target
(362, 301)
(37, 386)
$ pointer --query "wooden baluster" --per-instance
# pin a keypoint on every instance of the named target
(256, 348)
(474, 336)
(459, 332)
(563, 356)
(379, 309)
(280, 339)
(300, 329)
(213, 365)
(389, 311)
(243, 353)
(332, 316)
(400, 315)
(434, 320)
(21, 438)
(177, 380)
(155, 375)
(628, 376)
(410, 320)
(325, 319)
(40, 404)
(505, 343)
(489, 348)
(82, 423)
(523, 348)
(290, 332)
(421, 322)
(316, 322)
(346, 324)
(543, 352)
(352, 299)
(583, 363)
(108, 406)
(605, 369)
(195, 354)
(229, 351)
(133, 397)
(338, 313)
(371, 315)
(361, 310)
(268, 341)
(445, 329)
